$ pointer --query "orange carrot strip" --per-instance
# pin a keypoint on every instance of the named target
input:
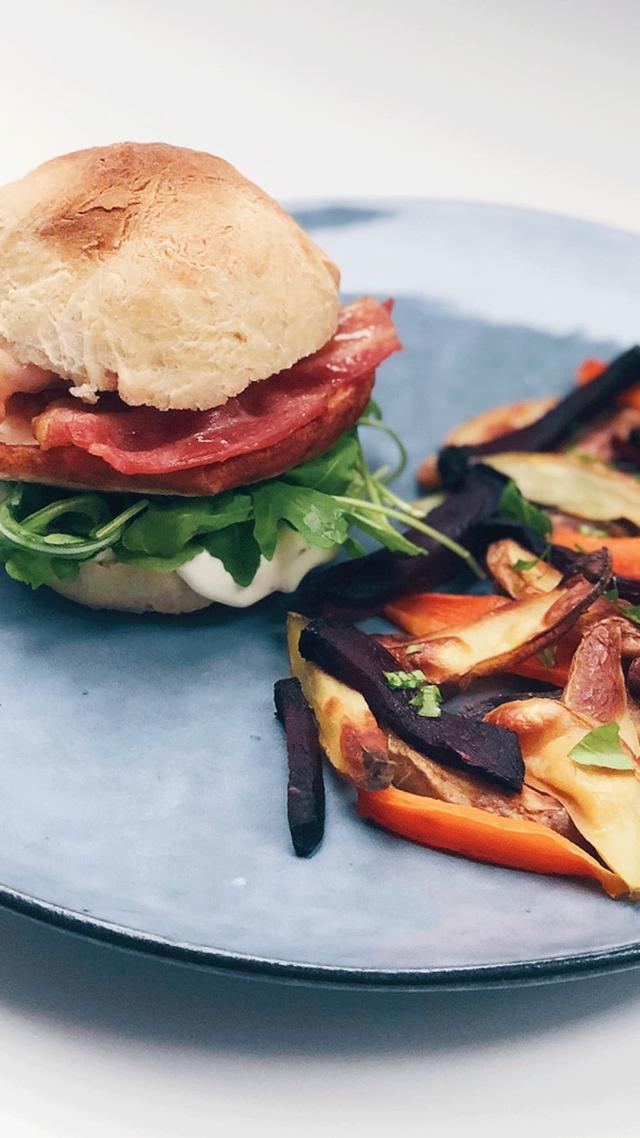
(512, 842)
(591, 369)
(431, 612)
(625, 551)
(588, 370)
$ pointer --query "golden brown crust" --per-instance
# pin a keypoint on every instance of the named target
(158, 272)
(72, 467)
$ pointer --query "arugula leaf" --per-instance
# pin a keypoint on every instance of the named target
(317, 517)
(353, 547)
(427, 701)
(164, 529)
(158, 564)
(602, 748)
(387, 536)
(26, 533)
(513, 505)
(632, 612)
(372, 410)
(330, 473)
(238, 551)
(35, 569)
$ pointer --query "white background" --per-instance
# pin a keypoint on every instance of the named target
(534, 103)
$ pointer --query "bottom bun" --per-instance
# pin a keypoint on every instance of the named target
(127, 588)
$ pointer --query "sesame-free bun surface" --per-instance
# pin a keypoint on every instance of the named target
(128, 588)
(157, 272)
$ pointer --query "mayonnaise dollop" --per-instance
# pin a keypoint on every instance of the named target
(292, 560)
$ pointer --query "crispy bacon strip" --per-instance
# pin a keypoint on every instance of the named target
(142, 440)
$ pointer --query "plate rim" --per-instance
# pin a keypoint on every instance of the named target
(501, 974)
(537, 970)
(354, 201)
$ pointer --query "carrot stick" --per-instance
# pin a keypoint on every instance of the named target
(591, 369)
(431, 612)
(512, 842)
(625, 551)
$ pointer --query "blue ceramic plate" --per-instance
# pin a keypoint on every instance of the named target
(142, 779)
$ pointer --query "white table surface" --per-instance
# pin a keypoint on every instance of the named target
(519, 101)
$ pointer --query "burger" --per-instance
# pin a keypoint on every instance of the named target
(180, 387)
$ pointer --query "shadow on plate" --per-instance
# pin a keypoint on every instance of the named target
(82, 986)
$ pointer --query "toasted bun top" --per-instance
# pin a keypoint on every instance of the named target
(157, 272)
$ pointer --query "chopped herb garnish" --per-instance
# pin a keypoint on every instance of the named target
(513, 505)
(547, 657)
(591, 531)
(602, 748)
(522, 566)
(427, 701)
(406, 681)
(632, 612)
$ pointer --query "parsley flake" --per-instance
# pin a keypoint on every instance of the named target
(602, 748)
(405, 681)
(427, 698)
(427, 701)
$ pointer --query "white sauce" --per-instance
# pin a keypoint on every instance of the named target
(292, 560)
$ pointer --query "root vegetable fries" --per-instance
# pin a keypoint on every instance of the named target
(352, 741)
(349, 735)
(429, 613)
(625, 551)
(506, 561)
(504, 639)
(511, 842)
(485, 426)
(602, 797)
(582, 489)
(305, 789)
(425, 613)
(365, 664)
(591, 369)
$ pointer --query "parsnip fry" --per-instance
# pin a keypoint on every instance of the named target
(583, 489)
(512, 633)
